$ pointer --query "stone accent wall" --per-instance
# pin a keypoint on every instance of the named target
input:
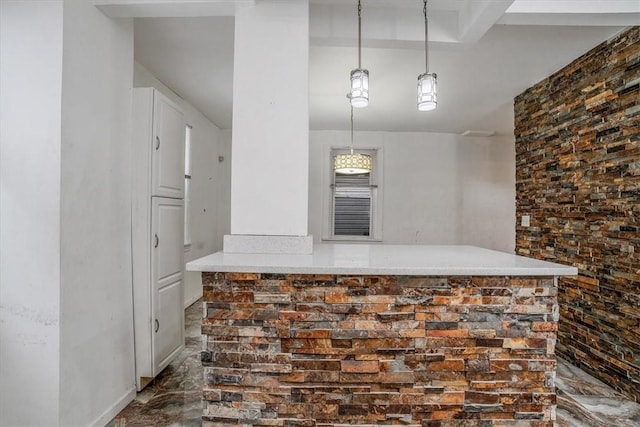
(305, 350)
(578, 177)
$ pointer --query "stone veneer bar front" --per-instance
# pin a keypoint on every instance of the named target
(372, 335)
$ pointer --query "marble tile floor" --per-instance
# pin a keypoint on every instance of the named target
(586, 401)
(174, 397)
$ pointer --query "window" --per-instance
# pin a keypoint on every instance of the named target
(354, 207)
(187, 187)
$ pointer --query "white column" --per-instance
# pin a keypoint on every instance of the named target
(270, 139)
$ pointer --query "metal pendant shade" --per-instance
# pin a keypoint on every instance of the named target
(359, 95)
(427, 95)
(351, 164)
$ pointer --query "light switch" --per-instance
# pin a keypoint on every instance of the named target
(525, 221)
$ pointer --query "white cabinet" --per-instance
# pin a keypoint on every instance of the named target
(157, 232)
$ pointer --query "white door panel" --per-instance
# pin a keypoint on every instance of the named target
(168, 149)
(167, 240)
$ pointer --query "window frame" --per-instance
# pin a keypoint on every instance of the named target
(376, 180)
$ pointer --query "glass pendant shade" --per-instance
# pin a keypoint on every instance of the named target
(359, 94)
(351, 164)
(427, 91)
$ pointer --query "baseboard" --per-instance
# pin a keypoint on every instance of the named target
(191, 300)
(115, 409)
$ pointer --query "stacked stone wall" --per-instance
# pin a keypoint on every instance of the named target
(578, 178)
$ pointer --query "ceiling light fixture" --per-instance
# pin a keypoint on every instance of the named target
(427, 82)
(359, 94)
(352, 163)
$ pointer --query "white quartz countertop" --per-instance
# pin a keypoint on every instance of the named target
(371, 259)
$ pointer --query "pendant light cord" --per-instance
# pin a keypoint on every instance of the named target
(359, 34)
(426, 37)
(352, 130)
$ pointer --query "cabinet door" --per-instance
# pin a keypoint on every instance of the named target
(167, 249)
(168, 325)
(168, 149)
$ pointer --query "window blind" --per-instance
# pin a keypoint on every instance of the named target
(352, 205)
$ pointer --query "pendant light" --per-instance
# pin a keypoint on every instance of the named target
(352, 163)
(427, 82)
(359, 94)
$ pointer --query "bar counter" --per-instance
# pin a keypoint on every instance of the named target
(373, 335)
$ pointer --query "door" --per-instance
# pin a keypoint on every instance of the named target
(168, 149)
(167, 250)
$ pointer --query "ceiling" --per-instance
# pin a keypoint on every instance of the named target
(485, 52)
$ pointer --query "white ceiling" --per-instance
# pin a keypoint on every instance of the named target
(485, 52)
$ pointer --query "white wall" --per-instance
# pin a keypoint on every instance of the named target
(30, 110)
(206, 234)
(437, 189)
(96, 329)
(488, 197)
